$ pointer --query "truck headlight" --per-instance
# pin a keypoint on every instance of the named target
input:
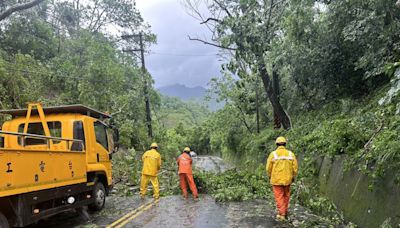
(71, 200)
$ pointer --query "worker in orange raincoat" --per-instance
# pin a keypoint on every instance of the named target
(185, 173)
(281, 169)
(151, 166)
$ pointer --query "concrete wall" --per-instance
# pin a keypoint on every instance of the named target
(349, 191)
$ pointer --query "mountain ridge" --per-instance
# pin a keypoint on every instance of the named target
(184, 92)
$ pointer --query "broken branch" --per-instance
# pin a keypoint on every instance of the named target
(212, 44)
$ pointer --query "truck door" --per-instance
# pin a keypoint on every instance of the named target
(102, 145)
(101, 141)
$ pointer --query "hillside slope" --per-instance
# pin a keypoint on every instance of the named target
(183, 92)
(174, 111)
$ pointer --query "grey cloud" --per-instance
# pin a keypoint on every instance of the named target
(167, 61)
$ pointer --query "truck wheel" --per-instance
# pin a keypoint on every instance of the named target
(3, 221)
(99, 194)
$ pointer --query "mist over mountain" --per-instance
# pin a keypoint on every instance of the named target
(196, 94)
(183, 92)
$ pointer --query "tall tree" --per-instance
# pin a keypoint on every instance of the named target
(247, 28)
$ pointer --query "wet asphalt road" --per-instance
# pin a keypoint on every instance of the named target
(174, 211)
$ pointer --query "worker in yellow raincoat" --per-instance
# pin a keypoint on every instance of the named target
(281, 169)
(151, 166)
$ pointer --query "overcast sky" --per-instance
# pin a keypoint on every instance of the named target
(176, 59)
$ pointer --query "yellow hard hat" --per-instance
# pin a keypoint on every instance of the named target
(280, 140)
(187, 149)
(154, 145)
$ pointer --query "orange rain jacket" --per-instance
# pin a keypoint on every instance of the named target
(184, 163)
(151, 162)
(281, 166)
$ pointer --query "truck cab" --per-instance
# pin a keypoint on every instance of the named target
(53, 159)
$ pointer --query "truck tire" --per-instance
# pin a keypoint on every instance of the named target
(3, 221)
(99, 194)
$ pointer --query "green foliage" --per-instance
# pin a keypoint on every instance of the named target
(234, 185)
(334, 137)
(199, 140)
(392, 95)
(382, 155)
(307, 195)
(125, 171)
(29, 35)
(367, 135)
(390, 68)
(169, 178)
(22, 79)
(172, 142)
(387, 223)
(374, 28)
(172, 112)
(320, 50)
(363, 130)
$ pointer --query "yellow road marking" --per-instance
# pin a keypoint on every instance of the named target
(136, 215)
(127, 215)
(131, 215)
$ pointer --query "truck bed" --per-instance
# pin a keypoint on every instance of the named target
(28, 170)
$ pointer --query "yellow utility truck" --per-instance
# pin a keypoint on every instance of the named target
(52, 160)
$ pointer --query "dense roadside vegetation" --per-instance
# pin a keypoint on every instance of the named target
(332, 65)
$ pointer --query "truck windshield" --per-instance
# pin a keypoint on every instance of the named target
(37, 129)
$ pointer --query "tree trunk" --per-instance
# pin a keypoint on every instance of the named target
(275, 87)
(273, 98)
(275, 82)
(257, 109)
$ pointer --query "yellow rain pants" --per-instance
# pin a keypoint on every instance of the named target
(144, 182)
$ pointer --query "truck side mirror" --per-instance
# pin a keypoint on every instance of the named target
(112, 143)
(116, 139)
